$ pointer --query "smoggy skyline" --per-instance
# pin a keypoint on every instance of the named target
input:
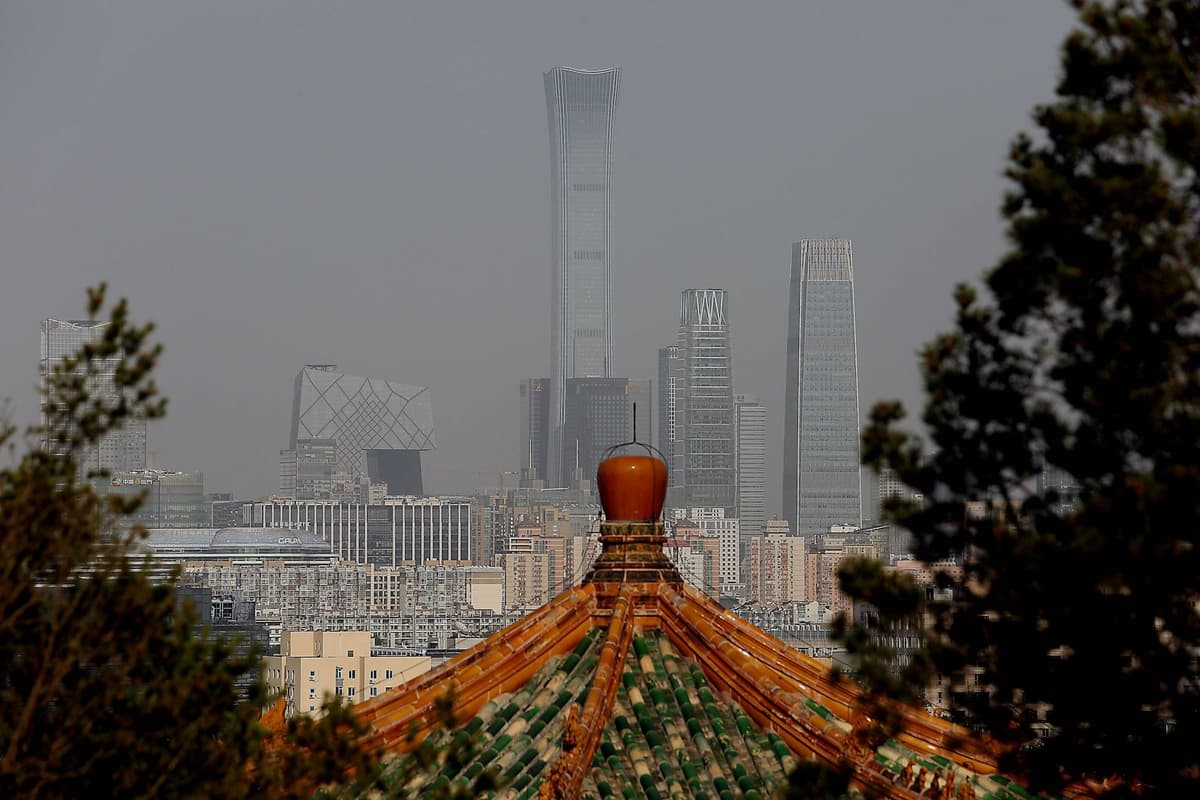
(367, 184)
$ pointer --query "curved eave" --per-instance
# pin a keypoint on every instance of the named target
(402, 717)
(786, 694)
(799, 673)
(789, 693)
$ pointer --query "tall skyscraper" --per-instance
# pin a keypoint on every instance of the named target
(122, 450)
(579, 108)
(704, 446)
(821, 476)
(750, 425)
(535, 421)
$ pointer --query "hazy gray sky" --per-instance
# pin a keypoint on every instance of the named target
(367, 184)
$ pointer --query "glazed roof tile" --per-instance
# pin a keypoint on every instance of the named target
(675, 697)
(635, 685)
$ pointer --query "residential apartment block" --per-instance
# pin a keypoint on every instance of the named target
(776, 566)
(314, 664)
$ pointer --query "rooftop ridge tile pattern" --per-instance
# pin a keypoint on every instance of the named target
(664, 694)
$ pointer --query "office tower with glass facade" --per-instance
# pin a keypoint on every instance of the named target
(821, 476)
(579, 108)
(670, 384)
(750, 431)
(121, 450)
(380, 428)
(309, 470)
(169, 499)
(600, 415)
(535, 421)
(704, 446)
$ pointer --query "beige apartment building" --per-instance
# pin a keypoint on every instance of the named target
(526, 579)
(312, 664)
(776, 566)
(696, 554)
(823, 565)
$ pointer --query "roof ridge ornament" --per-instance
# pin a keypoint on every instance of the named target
(632, 481)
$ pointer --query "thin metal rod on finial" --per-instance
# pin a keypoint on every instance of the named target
(644, 445)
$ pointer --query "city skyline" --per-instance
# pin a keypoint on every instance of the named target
(409, 238)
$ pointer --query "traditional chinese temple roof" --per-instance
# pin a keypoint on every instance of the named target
(635, 685)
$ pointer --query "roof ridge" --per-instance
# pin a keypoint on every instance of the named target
(500, 663)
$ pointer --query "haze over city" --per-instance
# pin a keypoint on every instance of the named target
(277, 184)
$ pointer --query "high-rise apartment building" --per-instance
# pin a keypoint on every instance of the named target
(776, 566)
(535, 424)
(704, 447)
(121, 450)
(380, 428)
(579, 108)
(600, 415)
(750, 434)
(696, 553)
(889, 487)
(821, 474)
(714, 523)
(827, 552)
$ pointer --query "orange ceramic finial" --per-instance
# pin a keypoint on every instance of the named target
(632, 481)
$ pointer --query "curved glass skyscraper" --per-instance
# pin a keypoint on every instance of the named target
(821, 476)
(579, 108)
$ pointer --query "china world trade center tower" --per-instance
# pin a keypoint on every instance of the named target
(821, 476)
(579, 108)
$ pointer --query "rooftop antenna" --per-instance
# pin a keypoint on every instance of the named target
(635, 421)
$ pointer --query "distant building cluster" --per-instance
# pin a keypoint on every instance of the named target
(296, 582)
(351, 545)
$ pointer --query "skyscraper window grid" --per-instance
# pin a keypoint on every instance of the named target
(579, 107)
(751, 465)
(822, 484)
(122, 450)
(704, 411)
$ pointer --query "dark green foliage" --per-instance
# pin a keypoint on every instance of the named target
(813, 781)
(106, 690)
(1078, 608)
